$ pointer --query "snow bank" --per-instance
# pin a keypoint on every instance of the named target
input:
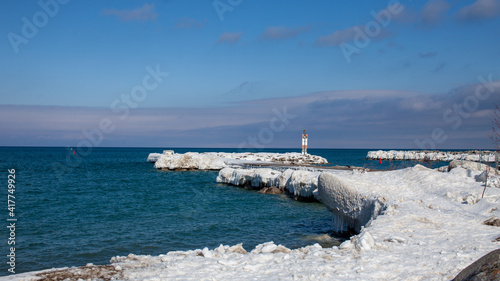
(417, 155)
(216, 161)
(300, 183)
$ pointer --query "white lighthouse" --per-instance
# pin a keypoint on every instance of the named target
(304, 143)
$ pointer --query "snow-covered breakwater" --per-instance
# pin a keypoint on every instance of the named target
(300, 183)
(417, 155)
(218, 160)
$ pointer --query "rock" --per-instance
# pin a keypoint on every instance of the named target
(168, 152)
(493, 221)
(271, 190)
(485, 268)
(470, 165)
(238, 249)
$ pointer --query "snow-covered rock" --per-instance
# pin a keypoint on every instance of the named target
(470, 165)
(300, 183)
(256, 178)
(216, 161)
(190, 160)
(418, 155)
(363, 242)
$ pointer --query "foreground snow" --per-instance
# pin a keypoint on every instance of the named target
(430, 155)
(218, 160)
(429, 227)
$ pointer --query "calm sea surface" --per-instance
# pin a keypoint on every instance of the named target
(113, 202)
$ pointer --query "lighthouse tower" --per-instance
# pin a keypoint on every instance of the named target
(304, 143)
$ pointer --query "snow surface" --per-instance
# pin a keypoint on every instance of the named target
(429, 155)
(217, 161)
(430, 229)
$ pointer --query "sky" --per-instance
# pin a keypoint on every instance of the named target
(249, 74)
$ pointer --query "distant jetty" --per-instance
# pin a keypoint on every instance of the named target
(169, 160)
(424, 155)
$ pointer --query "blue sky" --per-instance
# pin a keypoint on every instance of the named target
(355, 75)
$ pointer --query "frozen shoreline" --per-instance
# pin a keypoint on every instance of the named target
(428, 226)
(416, 155)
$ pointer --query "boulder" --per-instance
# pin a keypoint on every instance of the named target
(484, 269)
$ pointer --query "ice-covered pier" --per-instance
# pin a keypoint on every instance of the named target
(418, 155)
(218, 160)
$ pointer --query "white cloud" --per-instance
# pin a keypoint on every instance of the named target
(434, 11)
(337, 37)
(229, 37)
(480, 9)
(281, 32)
(427, 55)
(188, 23)
(146, 12)
(360, 118)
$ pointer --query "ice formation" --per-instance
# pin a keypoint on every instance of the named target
(300, 183)
(431, 227)
(216, 161)
(153, 157)
(431, 155)
(256, 178)
(352, 202)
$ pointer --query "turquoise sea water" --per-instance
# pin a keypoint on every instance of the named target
(113, 202)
